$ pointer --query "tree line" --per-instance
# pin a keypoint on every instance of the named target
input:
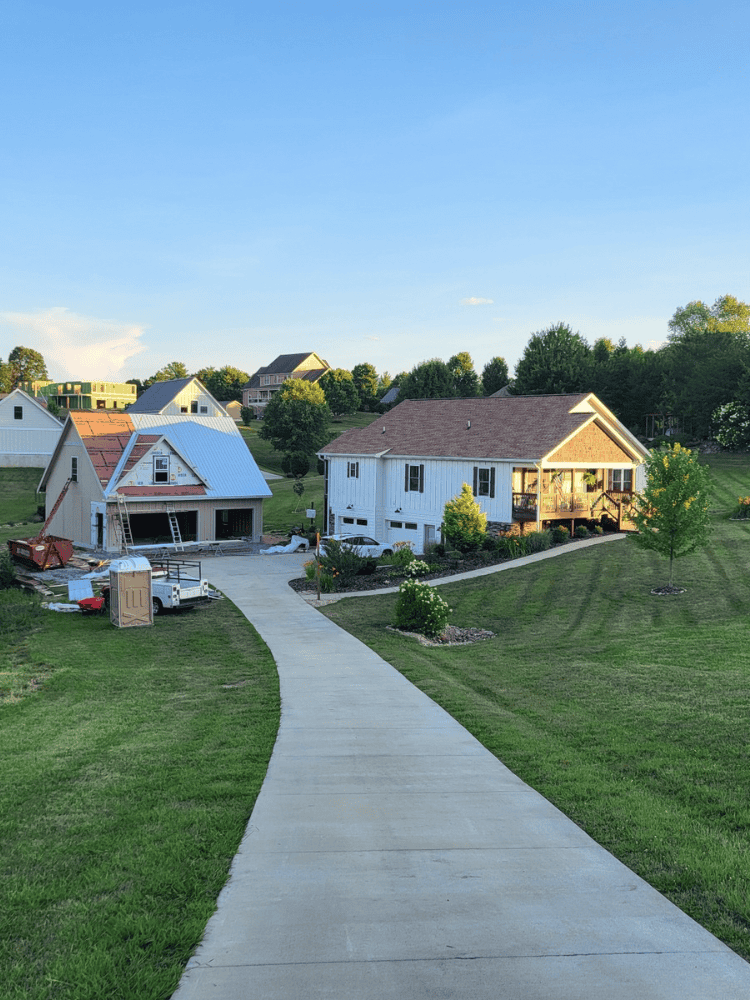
(697, 383)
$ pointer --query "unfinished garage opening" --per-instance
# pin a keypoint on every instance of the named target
(153, 529)
(234, 524)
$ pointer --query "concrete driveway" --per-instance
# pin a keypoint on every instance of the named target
(391, 857)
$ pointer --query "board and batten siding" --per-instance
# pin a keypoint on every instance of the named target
(443, 479)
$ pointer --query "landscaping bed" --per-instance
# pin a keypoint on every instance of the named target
(392, 576)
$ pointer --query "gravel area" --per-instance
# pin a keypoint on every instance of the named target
(451, 636)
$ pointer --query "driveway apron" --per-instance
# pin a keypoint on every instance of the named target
(389, 856)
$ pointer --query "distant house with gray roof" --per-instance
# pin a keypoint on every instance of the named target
(530, 461)
(266, 381)
(178, 397)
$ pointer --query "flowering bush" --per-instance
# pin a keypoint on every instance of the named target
(402, 554)
(742, 510)
(560, 533)
(731, 426)
(417, 567)
(420, 609)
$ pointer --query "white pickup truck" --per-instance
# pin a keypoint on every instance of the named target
(179, 583)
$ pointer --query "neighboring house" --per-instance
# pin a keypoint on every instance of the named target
(85, 395)
(178, 396)
(152, 478)
(391, 396)
(529, 460)
(266, 381)
(28, 431)
(233, 407)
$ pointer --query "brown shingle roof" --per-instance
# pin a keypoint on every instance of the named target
(500, 427)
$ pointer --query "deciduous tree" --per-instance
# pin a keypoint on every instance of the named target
(672, 512)
(366, 382)
(340, 392)
(428, 380)
(465, 379)
(225, 384)
(296, 418)
(555, 360)
(175, 369)
(26, 365)
(494, 375)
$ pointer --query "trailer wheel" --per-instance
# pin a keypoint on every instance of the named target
(157, 606)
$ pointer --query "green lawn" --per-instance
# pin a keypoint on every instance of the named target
(284, 509)
(18, 502)
(630, 712)
(130, 760)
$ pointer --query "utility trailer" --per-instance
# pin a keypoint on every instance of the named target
(179, 583)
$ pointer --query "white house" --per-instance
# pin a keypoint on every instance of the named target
(28, 431)
(178, 397)
(146, 478)
(531, 460)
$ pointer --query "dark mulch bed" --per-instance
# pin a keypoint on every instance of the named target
(388, 576)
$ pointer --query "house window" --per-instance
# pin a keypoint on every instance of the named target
(352, 470)
(161, 468)
(74, 469)
(194, 406)
(265, 380)
(183, 409)
(204, 409)
(18, 413)
(408, 526)
(348, 520)
(396, 524)
(101, 404)
(621, 480)
(484, 482)
(362, 520)
(414, 478)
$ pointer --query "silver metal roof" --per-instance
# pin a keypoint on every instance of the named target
(214, 448)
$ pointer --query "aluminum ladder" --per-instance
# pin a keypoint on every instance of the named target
(126, 534)
(174, 527)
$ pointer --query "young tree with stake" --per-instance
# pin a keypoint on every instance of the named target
(672, 512)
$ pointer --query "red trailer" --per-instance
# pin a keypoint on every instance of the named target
(45, 551)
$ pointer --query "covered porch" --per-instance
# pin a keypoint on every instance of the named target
(552, 495)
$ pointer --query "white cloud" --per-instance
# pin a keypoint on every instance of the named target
(474, 301)
(372, 338)
(76, 346)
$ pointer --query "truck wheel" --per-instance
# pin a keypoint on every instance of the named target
(157, 606)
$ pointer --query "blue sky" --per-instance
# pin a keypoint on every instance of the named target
(222, 183)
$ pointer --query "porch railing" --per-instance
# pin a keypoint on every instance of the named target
(574, 504)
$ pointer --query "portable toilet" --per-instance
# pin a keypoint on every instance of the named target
(130, 592)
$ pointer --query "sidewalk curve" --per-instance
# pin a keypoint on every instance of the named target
(390, 856)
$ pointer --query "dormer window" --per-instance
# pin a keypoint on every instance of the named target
(161, 468)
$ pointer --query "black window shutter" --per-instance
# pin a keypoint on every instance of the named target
(406, 477)
(476, 480)
(492, 483)
(421, 479)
